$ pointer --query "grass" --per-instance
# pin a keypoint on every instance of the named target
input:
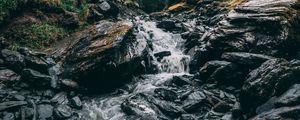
(34, 36)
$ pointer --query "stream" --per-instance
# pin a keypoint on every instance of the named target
(108, 107)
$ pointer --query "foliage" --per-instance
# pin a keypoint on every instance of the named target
(74, 6)
(35, 36)
(9, 5)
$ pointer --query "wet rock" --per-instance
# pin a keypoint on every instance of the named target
(194, 100)
(229, 75)
(159, 56)
(13, 60)
(70, 84)
(272, 78)
(63, 112)
(283, 113)
(8, 116)
(187, 117)
(60, 98)
(104, 53)
(166, 94)
(179, 81)
(28, 112)
(8, 76)
(54, 72)
(19, 97)
(168, 25)
(76, 102)
(269, 105)
(222, 107)
(270, 31)
(138, 105)
(207, 70)
(36, 78)
(168, 108)
(290, 97)
(11, 104)
(246, 59)
(107, 8)
(45, 111)
(36, 63)
(2, 63)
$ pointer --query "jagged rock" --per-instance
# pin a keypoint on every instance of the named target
(8, 76)
(259, 26)
(290, 97)
(45, 111)
(107, 8)
(187, 117)
(178, 81)
(63, 112)
(69, 84)
(76, 102)
(284, 113)
(222, 107)
(223, 73)
(36, 63)
(36, 78)
(194, 100)
(167, 108)
(60, 98)
(269, 105)
(166, 94)
(13, 60)
(272, 78)
(8, 116)
(138, 105)
(246, 59)
(210, 67)
(99, 56)
(168, 25)
(11, 104)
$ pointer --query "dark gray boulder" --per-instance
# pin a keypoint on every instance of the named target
(249, 60)
(13, 60)
(36, 78)
(272, 78)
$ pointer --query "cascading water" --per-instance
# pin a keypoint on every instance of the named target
(108, 107)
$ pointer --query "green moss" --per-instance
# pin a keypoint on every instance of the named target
(35, 36)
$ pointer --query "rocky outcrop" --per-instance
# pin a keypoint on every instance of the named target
(103, 56)
(255, 26)
(272, 78)
(267, 27)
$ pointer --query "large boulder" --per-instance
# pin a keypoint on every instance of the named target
(260, 26)
(272, 78)
(268, 27)
(103, 56)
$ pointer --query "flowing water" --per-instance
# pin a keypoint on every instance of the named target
(107, 107)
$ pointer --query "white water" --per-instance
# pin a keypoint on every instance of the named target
(108, 107)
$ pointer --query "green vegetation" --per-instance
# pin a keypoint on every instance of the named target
(35, 36)
(9, 5)
(75, 6)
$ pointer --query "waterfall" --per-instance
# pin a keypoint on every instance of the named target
(107, 107)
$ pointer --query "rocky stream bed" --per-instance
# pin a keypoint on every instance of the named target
(192, 60)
